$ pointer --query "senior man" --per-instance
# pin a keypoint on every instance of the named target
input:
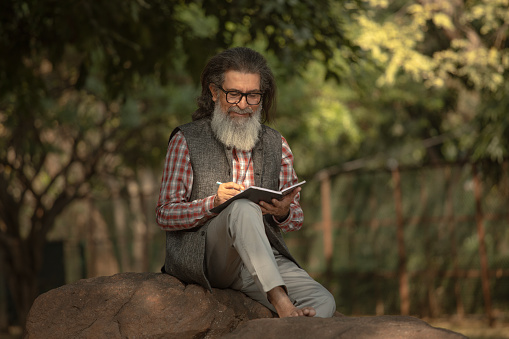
(224, 150)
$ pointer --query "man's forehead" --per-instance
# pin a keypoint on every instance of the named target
(241, 80)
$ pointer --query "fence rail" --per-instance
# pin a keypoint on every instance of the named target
(436, 210)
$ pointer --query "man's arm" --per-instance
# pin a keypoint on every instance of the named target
(174, 211)
(293, 218)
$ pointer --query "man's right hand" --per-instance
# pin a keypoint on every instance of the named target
(226, 191)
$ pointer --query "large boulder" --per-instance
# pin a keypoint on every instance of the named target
(152, 305)
(377, 327)
(141, 305)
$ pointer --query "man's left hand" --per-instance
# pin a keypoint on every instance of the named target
(279, 208)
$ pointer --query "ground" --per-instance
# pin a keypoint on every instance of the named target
(474, 327)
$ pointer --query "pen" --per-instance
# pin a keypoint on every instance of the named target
(220, 183)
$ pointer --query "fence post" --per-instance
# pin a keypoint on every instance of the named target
(326, 223)
(485, 279)
(404, 294)
(449, 212)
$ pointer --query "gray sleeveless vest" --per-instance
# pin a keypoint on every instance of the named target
(212, 162)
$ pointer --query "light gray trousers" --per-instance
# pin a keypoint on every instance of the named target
(239, 256)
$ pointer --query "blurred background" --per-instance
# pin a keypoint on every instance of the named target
(396, 112)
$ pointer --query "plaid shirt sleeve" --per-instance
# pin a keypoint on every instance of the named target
(174, 211)
(288, 177)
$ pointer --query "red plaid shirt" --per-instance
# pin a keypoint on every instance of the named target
(174, 210)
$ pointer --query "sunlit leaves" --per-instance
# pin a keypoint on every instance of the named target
(394, 47)
(493, 15)
(457, 50)
(398, 44)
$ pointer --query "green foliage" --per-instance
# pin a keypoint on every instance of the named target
(314, 119)
(455, 54)
(426, 86)
(288, 25)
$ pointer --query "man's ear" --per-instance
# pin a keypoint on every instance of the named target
(213, 91)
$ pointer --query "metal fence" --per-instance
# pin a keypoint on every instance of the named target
(427, 241)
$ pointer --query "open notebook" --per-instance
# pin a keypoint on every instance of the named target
(257, 194)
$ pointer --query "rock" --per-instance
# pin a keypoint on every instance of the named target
(141, 305)
(378, 327)
(153, 305)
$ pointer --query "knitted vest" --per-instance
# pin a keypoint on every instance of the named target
(211, 162)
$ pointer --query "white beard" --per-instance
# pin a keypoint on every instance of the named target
(240, 133)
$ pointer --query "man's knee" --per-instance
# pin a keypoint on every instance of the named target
(242, 213)
(244, 206)
(326, 305)
(245, 209)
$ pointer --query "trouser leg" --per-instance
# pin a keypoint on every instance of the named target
(302, 289)
(239, 256)
(236, 238)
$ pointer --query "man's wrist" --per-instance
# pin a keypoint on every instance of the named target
(209, 203)
(282, 219)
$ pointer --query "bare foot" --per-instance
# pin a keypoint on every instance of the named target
(284, 307)
(301, 312)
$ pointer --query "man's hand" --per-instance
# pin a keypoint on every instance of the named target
(279, 208)
(226, 191)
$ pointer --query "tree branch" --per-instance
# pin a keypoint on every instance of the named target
(9, 208)
(65, 169)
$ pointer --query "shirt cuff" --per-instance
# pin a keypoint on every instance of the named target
(284, 222)
(209, 204)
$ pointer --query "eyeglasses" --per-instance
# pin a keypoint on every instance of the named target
(234, 97)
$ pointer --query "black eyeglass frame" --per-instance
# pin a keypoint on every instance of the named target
(241, 96)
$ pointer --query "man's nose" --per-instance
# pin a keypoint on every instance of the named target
(243, 103)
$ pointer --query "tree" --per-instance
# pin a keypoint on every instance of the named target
(66, 113)
(85, 88)
(422, 81)
(441, 76)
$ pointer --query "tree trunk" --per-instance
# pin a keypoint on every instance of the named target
(139, 227)
(22, 260)
(101, 257)
(119, 214)
(4, 319)
(148, 188)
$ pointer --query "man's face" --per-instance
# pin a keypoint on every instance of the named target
(241, 82)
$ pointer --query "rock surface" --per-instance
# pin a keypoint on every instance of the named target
(153, 305)
(379, 327)
(141, 305)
